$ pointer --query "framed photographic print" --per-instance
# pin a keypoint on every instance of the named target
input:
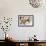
(25, 20)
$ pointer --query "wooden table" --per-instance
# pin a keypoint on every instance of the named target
(30, 43)
(27, 42)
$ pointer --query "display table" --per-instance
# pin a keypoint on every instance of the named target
(27, 42)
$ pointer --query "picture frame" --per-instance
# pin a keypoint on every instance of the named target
(25, 20)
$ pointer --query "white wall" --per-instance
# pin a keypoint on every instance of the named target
(13, 8)
(45, 29)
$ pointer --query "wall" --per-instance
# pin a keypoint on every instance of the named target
(13, 8)
(45, 29)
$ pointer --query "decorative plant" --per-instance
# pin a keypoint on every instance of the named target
(6, 24)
